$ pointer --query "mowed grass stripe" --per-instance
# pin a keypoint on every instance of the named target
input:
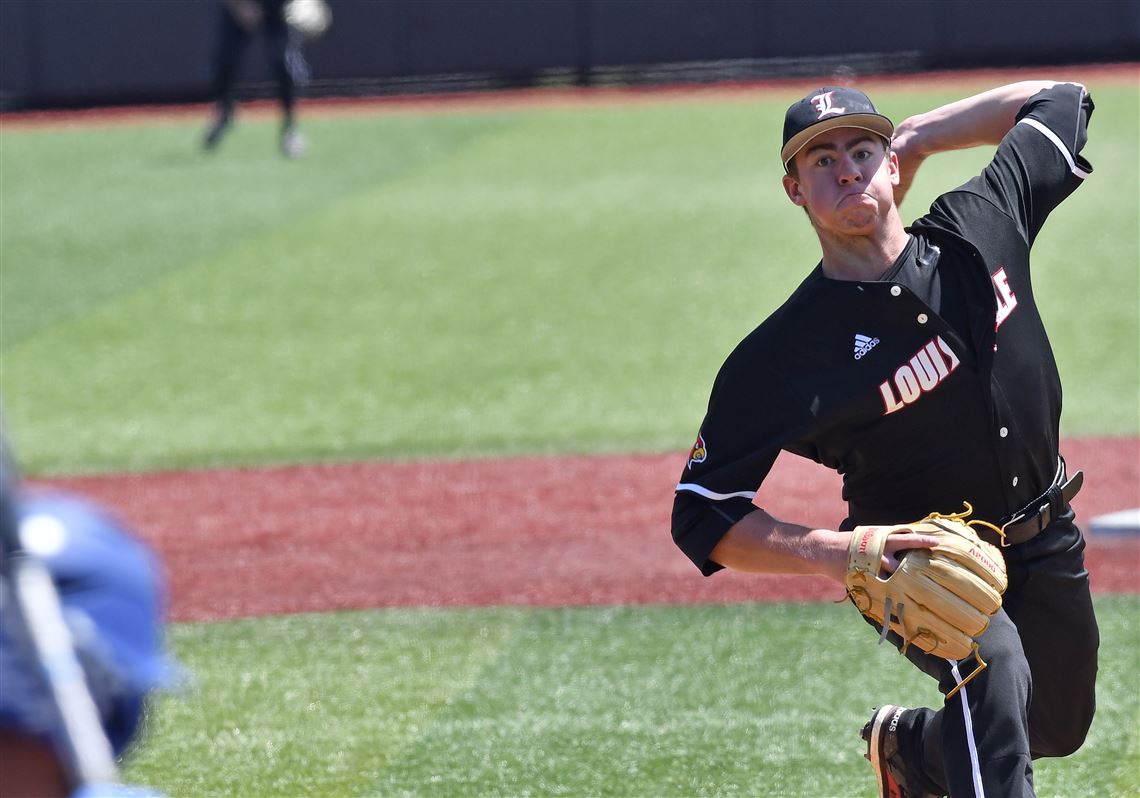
(412, 330)
(761, 700)
(467, 284)
(92, 213)
(310, 705)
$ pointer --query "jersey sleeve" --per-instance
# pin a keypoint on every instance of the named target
(1037, 165)
(749, 417)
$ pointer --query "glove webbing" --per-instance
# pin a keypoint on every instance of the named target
(887, 603)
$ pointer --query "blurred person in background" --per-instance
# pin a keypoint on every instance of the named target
(238, 21)
(81, 644)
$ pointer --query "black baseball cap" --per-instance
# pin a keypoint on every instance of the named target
(826, 108)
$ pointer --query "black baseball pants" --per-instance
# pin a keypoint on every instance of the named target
(1035, 699)
(232, 42)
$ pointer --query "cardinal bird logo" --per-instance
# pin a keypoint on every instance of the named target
(698, 454)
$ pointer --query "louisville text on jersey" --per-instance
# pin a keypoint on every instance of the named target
(925, 370)
(1006, 299)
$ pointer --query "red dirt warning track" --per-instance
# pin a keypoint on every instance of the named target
(532, 531)
(1120, 74)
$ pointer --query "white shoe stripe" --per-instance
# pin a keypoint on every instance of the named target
(975, 769)
(876, 746)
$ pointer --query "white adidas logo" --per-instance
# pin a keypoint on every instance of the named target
(864, 344)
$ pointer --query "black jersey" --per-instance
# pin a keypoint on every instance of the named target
(929, 387)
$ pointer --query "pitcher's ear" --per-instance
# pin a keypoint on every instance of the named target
(792, 189)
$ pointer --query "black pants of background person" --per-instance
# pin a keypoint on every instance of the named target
(1036, 698)
(238, 22)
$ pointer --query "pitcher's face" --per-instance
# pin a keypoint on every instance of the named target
(845, 178)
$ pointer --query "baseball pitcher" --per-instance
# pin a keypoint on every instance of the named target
(913, 361)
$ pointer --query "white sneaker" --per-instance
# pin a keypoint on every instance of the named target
(293, 144)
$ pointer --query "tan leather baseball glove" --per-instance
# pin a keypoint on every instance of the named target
(939, 599)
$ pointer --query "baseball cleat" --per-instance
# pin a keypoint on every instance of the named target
(881, 735)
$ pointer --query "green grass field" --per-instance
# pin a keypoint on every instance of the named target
(493, 283)
(456, 284)
(749, 699)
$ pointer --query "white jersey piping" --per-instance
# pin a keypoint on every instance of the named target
(1049, 134)
(708, 494)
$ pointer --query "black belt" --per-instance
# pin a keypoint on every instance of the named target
(1031, 519)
